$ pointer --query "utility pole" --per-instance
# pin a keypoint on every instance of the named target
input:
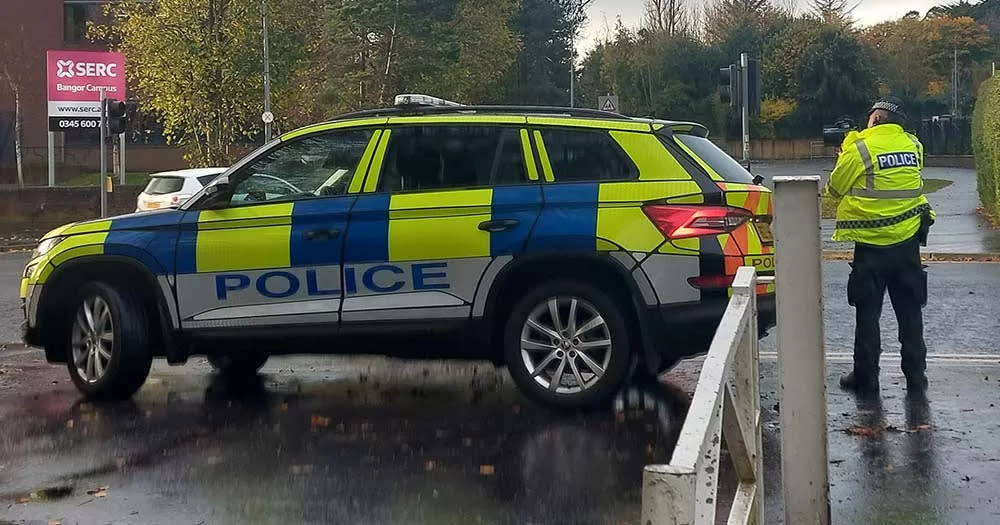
(572, 80)
(954, 85)
(745, 97)
(267, 79)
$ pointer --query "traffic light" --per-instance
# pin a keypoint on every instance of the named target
(729, 85)
(117, 115)
(753, 86)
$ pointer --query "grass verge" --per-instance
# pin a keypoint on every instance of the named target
(829, 206)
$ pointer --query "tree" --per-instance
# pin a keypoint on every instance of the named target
(835, 12)
(197, 65)
(666, 16)
(742, 26)
(836, 76)
(13, 67)
(541, 71)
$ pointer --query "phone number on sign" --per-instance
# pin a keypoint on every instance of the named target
(79, 124)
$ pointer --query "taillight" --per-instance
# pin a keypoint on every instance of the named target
(712, 282)
(682, 222)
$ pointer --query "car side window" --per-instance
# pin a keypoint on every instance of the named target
(421, 158)
(586, 155)
(315, 166)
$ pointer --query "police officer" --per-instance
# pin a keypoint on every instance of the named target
(883, 211)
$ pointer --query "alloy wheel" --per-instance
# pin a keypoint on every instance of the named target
(566, 345)
(93, 339)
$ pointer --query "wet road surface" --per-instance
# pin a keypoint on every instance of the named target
(361, 440)
(351, 440)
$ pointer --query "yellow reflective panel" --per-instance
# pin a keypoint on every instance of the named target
(88, 227)
(529, 158)
(23, 292)
(646, 191)
(439, 225)
(459, 119)
(366, 159)
(58, 231)
(543, 156)
(682, 246)
(609, 124)
(442, 199)
(688, 199)
(629, 227)
(651, 157)
(327, 126)
(71, 248)
(371, 180)
(604, 245)
(245, 238)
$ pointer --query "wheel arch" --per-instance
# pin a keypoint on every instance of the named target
(116, 270)
(598, 269)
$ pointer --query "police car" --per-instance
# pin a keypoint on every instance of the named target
(575, 246)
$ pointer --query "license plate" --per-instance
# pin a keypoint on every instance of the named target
(763, 263)
(152, 205)
(764, 230)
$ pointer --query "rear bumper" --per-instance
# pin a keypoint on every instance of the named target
(690, 327)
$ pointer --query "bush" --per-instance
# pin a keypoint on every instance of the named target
(986, 146)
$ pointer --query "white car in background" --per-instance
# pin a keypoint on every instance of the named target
(172, 188)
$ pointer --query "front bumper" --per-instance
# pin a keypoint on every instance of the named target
(690, 327)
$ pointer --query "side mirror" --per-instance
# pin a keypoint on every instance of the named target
(220, 186)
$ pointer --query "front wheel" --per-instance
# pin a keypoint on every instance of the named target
(567, 345)
(109, 354)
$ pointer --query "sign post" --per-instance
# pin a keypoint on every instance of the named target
(609, 103)
(104, 154)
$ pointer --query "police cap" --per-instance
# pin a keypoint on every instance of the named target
(890, 104)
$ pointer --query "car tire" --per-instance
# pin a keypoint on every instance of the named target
(534, 361)
(238, 364)
(109, 355)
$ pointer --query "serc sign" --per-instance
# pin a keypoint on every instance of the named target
(75, 79)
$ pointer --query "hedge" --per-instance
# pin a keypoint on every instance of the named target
(986, 146)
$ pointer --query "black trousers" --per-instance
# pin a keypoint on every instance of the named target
(898, 269)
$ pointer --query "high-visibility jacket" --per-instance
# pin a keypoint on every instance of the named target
(878, 178)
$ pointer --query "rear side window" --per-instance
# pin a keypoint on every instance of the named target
(585, 155)
(720, 161)
(205, 179)
(162, 185)
(422, 158)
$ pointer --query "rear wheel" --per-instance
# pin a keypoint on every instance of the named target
(245, 363)
(109, 353)
(566, 344)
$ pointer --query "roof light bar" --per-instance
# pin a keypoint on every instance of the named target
(423, 100)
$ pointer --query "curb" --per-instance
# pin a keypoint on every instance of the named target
(841, 255)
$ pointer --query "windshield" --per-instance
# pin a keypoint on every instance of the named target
(205, 179)
(720, 161)
(161, 185)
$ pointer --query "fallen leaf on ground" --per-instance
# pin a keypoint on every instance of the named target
(55, 522)
(487, 470)
(99, 492)
(22, 499)
(863, 431)
(319, 421)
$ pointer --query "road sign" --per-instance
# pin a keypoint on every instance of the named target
(75, 81)
(267, 117)
(608, 103)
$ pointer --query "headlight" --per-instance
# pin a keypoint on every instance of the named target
(46, 246)
(29, 269)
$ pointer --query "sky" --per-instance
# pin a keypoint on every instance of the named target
(603, 13)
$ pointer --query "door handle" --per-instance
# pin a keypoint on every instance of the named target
(500, 225)
(321, 235)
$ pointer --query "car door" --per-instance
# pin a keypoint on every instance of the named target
(268, 249)
(443, 203)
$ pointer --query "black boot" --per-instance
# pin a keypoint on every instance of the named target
(860, 384)
(916, 384)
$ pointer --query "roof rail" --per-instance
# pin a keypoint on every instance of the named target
(494, 109)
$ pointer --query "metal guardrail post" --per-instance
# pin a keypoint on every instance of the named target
(801, 358)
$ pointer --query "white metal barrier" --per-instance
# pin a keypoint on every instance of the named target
(726, 405)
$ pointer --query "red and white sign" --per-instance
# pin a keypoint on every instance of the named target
(74, 82)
